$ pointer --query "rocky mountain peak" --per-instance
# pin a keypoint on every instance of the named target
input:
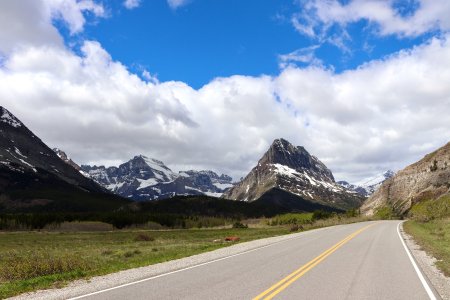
(9, 118)
(388, 174)
(61, 154)
(282, 152)
(368, 186)
(285, 170)
(23, 153)
(143, 178)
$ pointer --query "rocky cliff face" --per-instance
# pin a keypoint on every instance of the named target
(143, 178)
(63, 156)
(291, 169)
(428, 178)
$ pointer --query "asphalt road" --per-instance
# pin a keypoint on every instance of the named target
(356, 261)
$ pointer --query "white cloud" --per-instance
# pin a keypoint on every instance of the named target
(131, 4)
(150, 77)
(174, 4)
(29, 22)
(304, 56)
(72, 12)
(318, 16)
(384, 114)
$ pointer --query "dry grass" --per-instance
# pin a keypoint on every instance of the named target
(20, 267)
(37, 260)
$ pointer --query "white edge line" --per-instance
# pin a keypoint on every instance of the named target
(191, 267)
(413, 262)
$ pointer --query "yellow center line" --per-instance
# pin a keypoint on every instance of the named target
(288, 280)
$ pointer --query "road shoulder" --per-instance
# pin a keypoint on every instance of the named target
(440, 282)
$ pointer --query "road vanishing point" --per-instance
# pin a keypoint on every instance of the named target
(366, 260)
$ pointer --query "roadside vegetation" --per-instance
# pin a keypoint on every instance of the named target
(386, 213)
(430, 227)
(40, 259)
(62, 248)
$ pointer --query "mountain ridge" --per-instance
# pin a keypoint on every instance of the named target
(368, 186)
(33, 177)
(293, 170)
(143, 178)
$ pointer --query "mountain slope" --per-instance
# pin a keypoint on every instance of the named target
(143, 178)
(33, 176)
(291, 169)
(426, 179)
(64, 157)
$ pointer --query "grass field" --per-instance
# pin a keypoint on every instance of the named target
(36, 260)
(434, 238)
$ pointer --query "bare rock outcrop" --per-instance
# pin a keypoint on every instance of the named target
(429, 178)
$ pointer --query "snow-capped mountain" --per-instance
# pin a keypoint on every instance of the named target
(368, 186)
(32, 176)
(22, 151)
(143, 178)
(296, 175)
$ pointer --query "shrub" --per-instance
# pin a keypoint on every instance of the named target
(295, 228)
(351, 213)
(431, 209)
(128, 254)
(320, 215)
(385, 213)
(292, 218)
(239, 225)
(142, 237)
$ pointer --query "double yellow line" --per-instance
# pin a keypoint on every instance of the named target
(288, 280)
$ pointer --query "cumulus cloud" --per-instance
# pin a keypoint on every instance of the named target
(72, 12)
(384, 114)
(131, 4)
(29, 22)
(387, 17)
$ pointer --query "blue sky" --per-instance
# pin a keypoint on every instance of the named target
(358, 83)
(204, 39)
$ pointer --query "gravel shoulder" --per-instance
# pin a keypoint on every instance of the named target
(86, 286)
(440, 282)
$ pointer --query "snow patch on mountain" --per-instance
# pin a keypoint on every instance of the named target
(143, 178)
(293, 170)
(9, 118)
(368, 186)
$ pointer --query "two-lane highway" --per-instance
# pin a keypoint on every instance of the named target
(357, 261)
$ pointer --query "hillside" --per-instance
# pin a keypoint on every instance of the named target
(34, 178)
(427, 179)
